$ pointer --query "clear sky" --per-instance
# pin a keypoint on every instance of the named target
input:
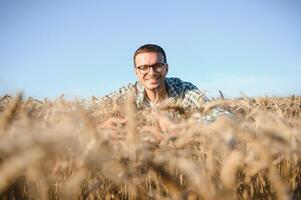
(85, 48)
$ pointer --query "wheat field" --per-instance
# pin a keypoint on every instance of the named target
(60, 149)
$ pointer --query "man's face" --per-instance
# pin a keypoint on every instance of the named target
(152, 80)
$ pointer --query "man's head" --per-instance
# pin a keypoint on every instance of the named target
(150, 66)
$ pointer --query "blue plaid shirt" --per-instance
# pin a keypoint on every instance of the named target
(185, 93)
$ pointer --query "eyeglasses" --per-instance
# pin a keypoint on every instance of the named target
(157, 67)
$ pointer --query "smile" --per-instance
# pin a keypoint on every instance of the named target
(153, 79)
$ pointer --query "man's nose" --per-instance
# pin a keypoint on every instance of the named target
(151, 70)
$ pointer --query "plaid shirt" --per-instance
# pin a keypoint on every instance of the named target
(187, 94)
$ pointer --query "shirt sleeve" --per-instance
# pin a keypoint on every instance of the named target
(214, 114)
(193, 97)
(195, 100)
(119, 95)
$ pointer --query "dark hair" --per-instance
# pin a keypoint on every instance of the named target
(150, 48)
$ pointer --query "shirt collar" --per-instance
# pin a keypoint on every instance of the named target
(140, 94)
(172, 92)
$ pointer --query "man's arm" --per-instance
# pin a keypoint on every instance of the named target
(117, 97)
(120, 95)
(192, 97)
(197, 100)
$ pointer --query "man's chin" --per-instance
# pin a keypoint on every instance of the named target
(152, 86)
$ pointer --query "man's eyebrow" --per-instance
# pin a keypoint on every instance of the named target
(143, 65)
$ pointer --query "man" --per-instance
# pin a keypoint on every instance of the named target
(153, 87)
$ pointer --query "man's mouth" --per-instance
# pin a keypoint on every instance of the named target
(153, 79)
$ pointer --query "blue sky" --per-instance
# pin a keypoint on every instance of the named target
(85, 48)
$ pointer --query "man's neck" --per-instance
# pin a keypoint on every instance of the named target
(157, 95)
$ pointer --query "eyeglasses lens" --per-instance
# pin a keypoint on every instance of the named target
(158, 67)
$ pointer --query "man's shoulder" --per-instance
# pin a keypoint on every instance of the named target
(121, 93)
(190, 95)
(178, 83)
(130, 87)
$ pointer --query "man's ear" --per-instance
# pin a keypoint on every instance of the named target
(166, 68)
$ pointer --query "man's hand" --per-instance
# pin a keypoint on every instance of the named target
(154, 131)
(113, 123)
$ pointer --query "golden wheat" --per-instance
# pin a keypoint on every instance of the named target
(60, 150)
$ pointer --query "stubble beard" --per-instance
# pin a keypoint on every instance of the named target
(159, 91)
